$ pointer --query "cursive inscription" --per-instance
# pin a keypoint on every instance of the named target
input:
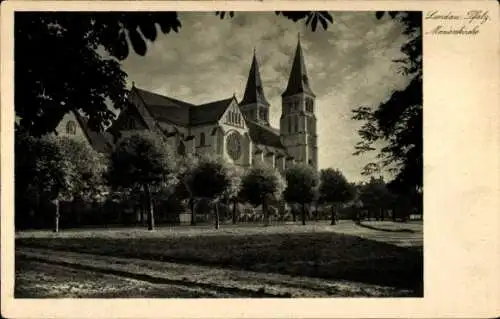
(453, 23)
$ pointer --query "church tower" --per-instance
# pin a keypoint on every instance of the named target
(254, 105)
(298, 120)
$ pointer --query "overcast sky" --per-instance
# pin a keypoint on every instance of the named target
(349, 65)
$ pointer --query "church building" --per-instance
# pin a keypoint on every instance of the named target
(238, 131)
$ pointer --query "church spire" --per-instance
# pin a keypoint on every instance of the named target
(298, 81)
(254, 92)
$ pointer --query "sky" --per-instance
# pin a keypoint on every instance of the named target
(349, 65)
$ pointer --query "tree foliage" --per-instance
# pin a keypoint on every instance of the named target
(72, 61)
(397, 122)
(261, 183)
(375, 196)
(311, 18)
(42, 174)
(86, 169)
(212, 178)
(142, 160)
(41, 170)
(334, 187)
(301, 186)
(67, 72)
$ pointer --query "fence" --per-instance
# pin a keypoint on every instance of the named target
(176, 212)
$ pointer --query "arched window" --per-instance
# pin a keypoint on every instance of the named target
(290, 124)
(202, 139)
(296, 123)
(71, 128)
(309, 105)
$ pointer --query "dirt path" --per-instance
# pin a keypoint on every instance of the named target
(127, 277)
(46, 280)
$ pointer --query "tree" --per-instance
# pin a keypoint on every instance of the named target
(42, 174)
(375, 197)
(76, 65)
(232, 193)
(302, 186)
(260, 185)
(185, 165)
(85, 170)
(334, 188)
(397, 122)
(142, 160)
(212, 178)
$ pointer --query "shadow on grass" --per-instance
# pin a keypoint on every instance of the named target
(157, 280)
(321, 254)
(401, 230)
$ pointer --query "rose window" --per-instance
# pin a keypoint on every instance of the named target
(233, 145)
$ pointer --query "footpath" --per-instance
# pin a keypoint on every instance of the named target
(239, 282)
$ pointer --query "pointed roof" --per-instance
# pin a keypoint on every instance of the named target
(254, 92)
(298, 81)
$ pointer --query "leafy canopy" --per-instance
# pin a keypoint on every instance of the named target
(397, 122)
(334, 187)
(86, 168)
(211, 177)
(261, 183)
(139, 159)
(41, 170)
(374, 194)
(302, 184)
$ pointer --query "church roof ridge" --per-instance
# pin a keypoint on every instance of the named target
(162, 96)
(213, 102)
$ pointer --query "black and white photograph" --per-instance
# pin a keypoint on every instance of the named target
(218, 154)
(222, 154)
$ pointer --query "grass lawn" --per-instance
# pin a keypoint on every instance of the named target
(312, 250)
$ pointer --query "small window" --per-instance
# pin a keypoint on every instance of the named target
(202, 139)
(71, 128)
(309, 105)
(262, 114)
(296, 128)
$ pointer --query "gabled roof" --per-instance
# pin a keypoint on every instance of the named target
(209, 112)
(102, 142)
(264, 135)
(164, 108)
(154, 99)
(167, 109)
(254, 92)
(298, 81)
